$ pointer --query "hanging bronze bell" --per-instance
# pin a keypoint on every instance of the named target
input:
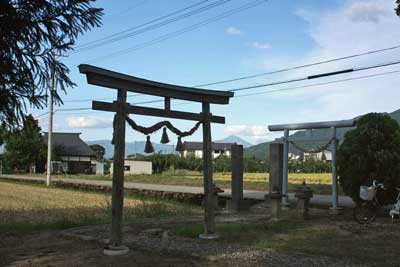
(149, 147)
(179, 145)
(164, 137)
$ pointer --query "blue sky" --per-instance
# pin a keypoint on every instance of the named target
(267, 37)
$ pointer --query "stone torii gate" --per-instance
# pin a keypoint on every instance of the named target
(311, 125)
(123, 83)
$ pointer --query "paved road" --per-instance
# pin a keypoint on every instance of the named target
(322, 200)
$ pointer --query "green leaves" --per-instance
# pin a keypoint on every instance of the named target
(25, 147)
(371, 151)
(32, 31)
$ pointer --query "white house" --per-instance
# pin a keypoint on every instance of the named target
(195, 149)
(325, 155)
(135, 167)
(97, 167)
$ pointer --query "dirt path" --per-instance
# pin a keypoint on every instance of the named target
(49, 248)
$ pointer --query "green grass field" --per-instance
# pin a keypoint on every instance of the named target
(25, 207)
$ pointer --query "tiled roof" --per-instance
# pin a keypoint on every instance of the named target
(71, 143)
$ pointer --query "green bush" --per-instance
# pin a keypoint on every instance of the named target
(370, 151)
(310, 166)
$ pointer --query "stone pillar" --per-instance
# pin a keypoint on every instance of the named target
(275, 167)
(276, 202)
(285, 169)
(236, 203)
(334, 172)
(303, 194)
(275, 179)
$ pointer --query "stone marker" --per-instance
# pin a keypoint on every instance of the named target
(275, 179)
(275, 169)
(303, 194)
(237, 203)
(276, 203)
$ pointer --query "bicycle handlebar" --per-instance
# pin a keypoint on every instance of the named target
(375, 184)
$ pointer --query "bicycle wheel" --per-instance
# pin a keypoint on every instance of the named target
(365, 212)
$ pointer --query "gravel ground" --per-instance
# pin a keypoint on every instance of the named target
(154, 236)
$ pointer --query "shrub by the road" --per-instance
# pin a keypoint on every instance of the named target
(370, 151)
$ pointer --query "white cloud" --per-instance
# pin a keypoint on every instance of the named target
(256, 133)
(247, 130)
(88, 122)
(337, 33)
(233, 31)
(366, 12)
(344, 32)
(260, 45)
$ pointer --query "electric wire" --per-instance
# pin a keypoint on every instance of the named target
(139, 26)
(178, 32)
(266, 73)
(152, 27)
(300, 66)
(316, 76)
(252, 94)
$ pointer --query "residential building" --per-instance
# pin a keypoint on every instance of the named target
(195, 149)
(135, 167)
(325, 155)
(97, 167)
(75, 156)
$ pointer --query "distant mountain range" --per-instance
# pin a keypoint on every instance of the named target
(132, 148)
(314, 139)
(235, 139)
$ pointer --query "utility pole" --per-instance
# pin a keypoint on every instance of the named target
(50, 130)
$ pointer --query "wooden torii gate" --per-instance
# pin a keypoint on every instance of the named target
(123, 83)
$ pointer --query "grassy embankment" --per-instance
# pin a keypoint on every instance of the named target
(319, 182)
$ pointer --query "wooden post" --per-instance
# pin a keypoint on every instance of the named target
(209, 219)
(117, 202)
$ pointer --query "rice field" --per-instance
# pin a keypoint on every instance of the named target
(295, 178)
(29, 207)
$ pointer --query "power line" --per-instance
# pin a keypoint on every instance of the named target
(63, 110)
(299, 67)
(72, 109)
(304, 86)
(248, 94)
(310, 77)
(316, 76)
(181, 31)
(120, 36)
(265, 73)
(141, 25)
(129, 8)
(319, 84)
(99, 99)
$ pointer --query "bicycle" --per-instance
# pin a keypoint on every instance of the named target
(366, 210)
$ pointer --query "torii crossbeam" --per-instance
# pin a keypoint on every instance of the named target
(123, 83)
